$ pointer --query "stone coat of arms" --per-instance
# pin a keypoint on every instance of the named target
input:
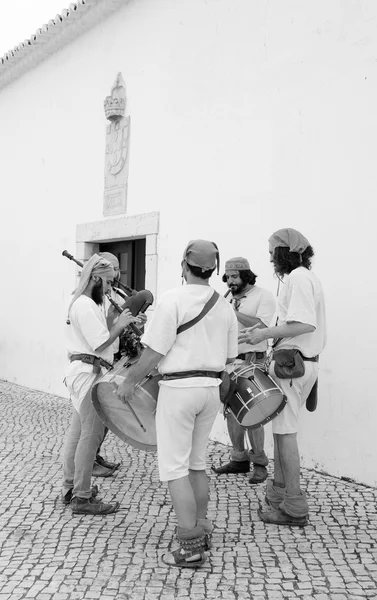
(117, 149)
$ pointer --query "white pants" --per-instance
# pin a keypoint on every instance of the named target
(297, 394)
(184, 420)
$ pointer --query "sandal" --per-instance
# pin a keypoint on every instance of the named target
(190, 553)
(207, 526)
(105, 463)
(181, 559)
(99, 471)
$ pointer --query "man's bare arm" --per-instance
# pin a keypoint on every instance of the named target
(247, 321)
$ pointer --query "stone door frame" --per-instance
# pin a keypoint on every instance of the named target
(90, 235)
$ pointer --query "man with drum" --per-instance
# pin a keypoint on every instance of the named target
(89, 346)
(190, 363)
(300, 337)
(253, 305)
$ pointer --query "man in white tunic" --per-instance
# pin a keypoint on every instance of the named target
(253, 305)
(301, 337)
(89, 346)
(191, 363)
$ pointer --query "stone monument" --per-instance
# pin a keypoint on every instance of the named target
(117, 150)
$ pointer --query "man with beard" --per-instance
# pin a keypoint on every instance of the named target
(300, 336)
(89, 346)
(253, 305)
(103, 467)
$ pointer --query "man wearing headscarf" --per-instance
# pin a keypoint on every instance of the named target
(102, 467)
(253, 305)
(190, 363)
(89, 346)
(301, 329)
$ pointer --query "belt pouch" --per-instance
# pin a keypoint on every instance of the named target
(289, 363)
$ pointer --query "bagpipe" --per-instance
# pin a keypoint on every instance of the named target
(136, 301)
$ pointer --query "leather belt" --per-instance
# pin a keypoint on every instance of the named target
(258, 355)
(90, 359)
(186, 374)
(311, 359)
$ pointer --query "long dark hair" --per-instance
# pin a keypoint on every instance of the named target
(246, 276)
(286, 261)
(197, 271)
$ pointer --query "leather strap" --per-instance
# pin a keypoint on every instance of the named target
(311, 359)
(187, 374)
(207, 307)
(90, 359)
(258, 355)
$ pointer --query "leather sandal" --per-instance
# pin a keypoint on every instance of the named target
(190, 553)
(274, 505)
(242, 466)
(207, 526)
(100, 471)
(259, 475)
(179, 558)
(105, 463)
(92, 506)
(66, 498)
(279, 517)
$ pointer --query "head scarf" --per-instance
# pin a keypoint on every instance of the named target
(111, 258)
(237, 264)
(289, 238)
(94, 266)
(203, 254)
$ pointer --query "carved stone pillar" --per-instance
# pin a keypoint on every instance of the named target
(117, 150)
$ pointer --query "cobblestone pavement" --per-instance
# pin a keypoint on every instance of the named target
(46, 553)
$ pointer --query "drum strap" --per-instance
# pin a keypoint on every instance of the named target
(90, 359)
(206, 308)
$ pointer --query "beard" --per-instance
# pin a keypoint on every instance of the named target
(237, 289)
(97, 293)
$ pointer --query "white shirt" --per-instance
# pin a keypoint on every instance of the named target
(258, 303)
(86, 332)
(301, 299)
(205, 346)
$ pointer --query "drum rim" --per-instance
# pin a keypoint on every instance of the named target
(113, 428)
(276, 412)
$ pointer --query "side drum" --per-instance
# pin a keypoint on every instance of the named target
(257, 398)
(133, 422)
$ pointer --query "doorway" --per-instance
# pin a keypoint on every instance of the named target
(131, 256)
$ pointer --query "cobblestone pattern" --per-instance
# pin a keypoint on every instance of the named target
(46, 553)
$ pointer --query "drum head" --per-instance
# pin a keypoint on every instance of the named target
(139, 431)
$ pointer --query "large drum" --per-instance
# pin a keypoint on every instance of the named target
(257, 398)
(133, 422)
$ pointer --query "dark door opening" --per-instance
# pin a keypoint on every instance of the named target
(131, 256)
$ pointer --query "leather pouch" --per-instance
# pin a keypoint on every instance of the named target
(289, 364)
(227, 387)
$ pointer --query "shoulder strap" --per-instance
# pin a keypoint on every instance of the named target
(207, 307)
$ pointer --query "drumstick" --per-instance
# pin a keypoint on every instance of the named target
(134, 414)
(136, 417)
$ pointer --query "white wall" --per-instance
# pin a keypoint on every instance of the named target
(246, 117)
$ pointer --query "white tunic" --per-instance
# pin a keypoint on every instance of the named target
(301, 299)
(205, 346)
